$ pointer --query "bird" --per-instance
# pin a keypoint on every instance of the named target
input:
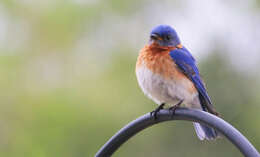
(168, 74)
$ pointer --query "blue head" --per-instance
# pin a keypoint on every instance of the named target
(164, 35)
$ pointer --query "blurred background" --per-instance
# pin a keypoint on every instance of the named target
(67, 74)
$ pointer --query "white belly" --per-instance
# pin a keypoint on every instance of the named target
(164, 91)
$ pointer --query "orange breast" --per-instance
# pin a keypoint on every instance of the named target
(158, 60)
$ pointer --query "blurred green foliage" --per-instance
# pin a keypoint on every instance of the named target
(57, 100)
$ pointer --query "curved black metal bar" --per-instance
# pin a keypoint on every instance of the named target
(146, 120)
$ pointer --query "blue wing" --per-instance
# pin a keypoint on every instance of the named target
(187, 64)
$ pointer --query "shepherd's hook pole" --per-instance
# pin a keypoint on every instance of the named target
(145, 121)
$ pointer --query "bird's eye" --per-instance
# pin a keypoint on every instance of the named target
(168, 37)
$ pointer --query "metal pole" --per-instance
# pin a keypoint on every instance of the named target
(145, 121)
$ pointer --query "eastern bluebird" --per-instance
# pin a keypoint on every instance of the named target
(167, 73)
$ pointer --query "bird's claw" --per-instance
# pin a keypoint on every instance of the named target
(154, 112)
(174, 107)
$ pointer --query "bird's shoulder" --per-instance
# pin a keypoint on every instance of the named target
(185, 61)
(182, 55)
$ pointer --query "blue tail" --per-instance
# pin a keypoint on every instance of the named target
(205, 132)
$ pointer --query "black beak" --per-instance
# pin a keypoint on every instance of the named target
(155, 37)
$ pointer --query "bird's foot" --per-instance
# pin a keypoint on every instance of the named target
(154, 112)
(174, 107)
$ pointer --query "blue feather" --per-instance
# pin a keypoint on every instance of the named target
(187, 64)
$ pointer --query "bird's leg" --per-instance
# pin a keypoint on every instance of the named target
(154, 112)
(174, 107)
